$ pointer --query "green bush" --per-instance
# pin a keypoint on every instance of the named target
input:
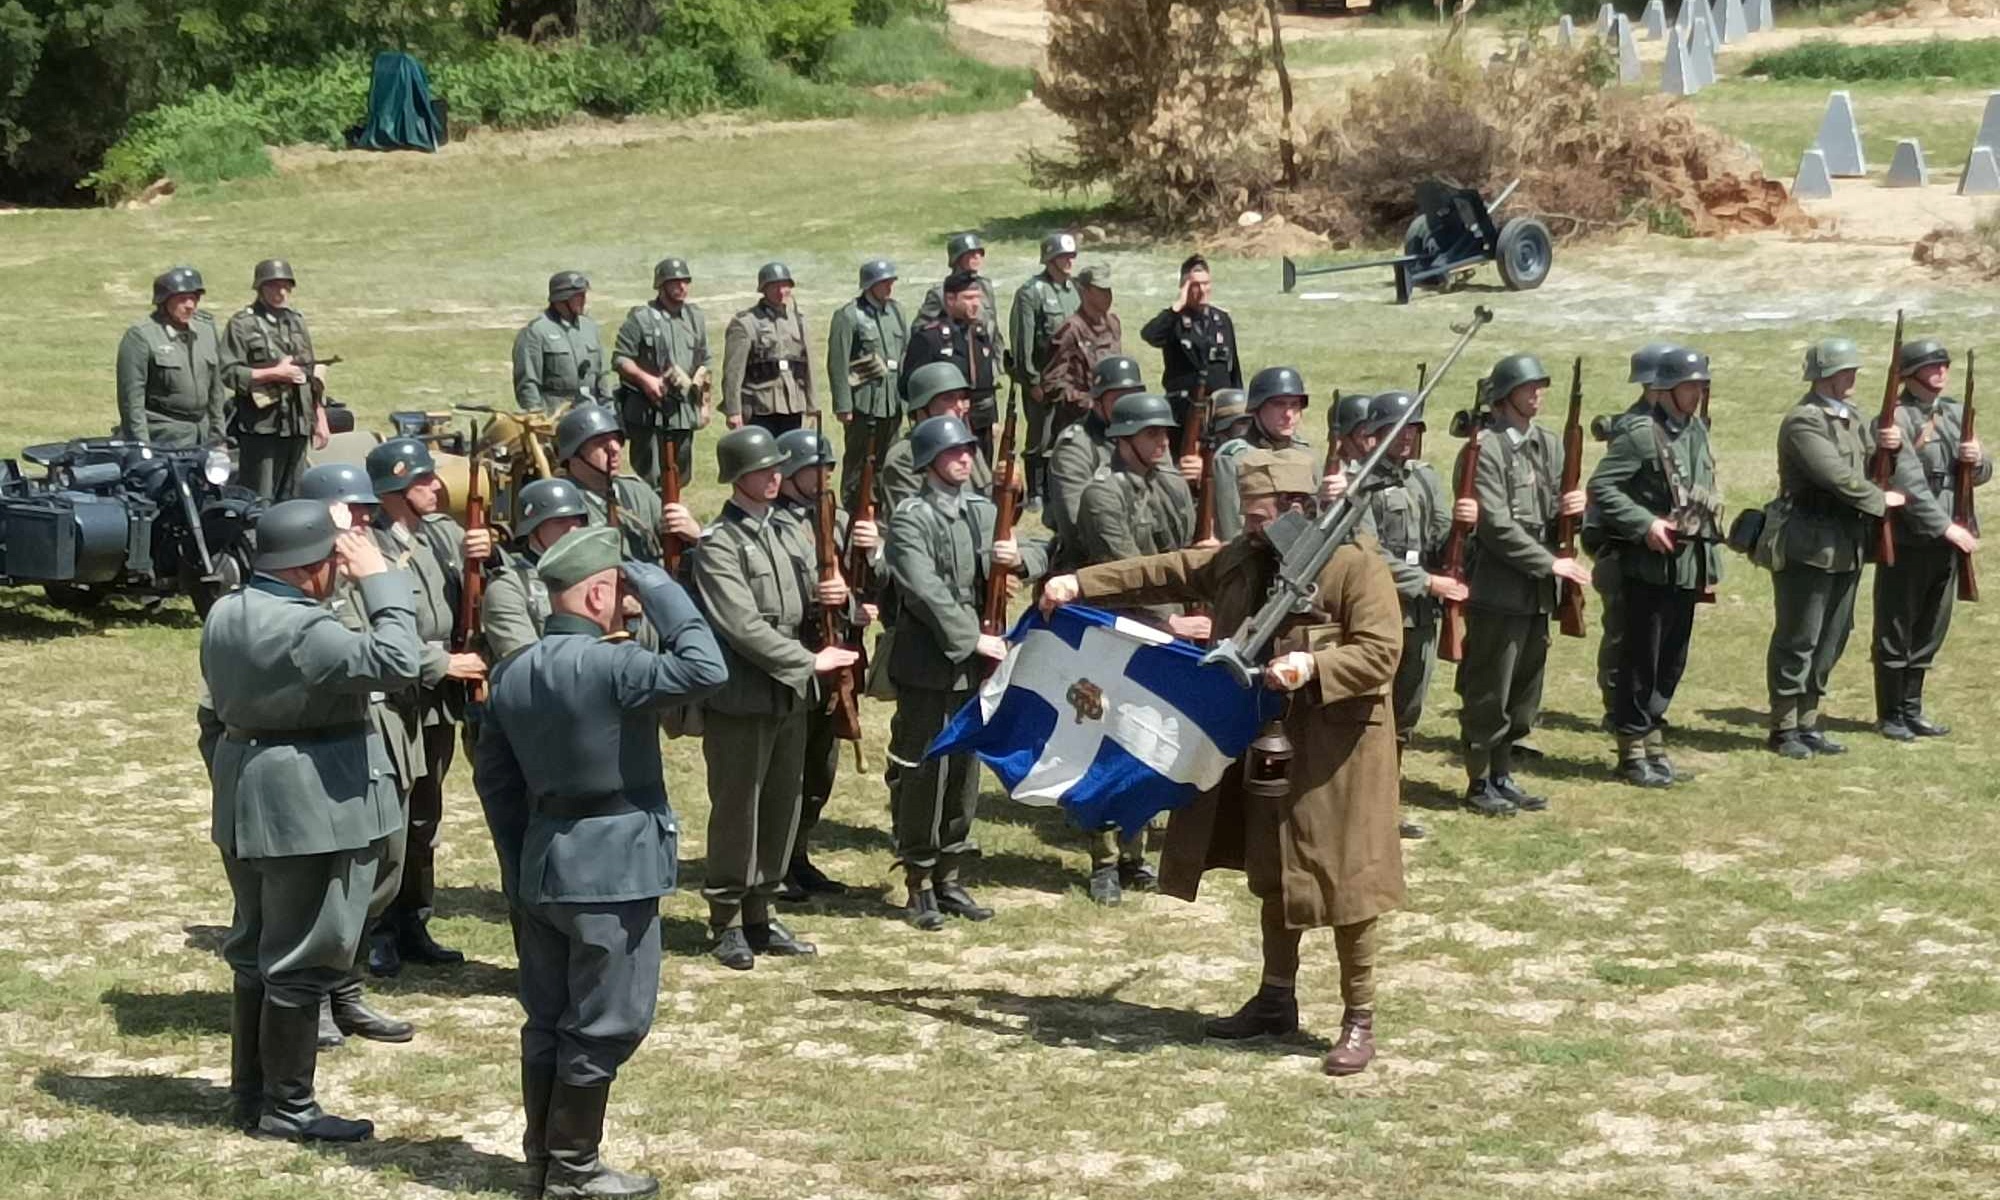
(210, 138)
(798, 32)
(1970, 62)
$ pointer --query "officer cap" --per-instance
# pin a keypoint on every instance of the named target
(960, 245)
(960, 281)
(773, 272)
(564, 284)
(397, 463)
(272, 269)
(1511, 372)
(668, 270)
(337, 483)
(745, 449)
(1058, 244)
(294, 533)
(1118, 372)
(1679, 366)
(1140, 410)
(1388, 408)
(875, 270)
(580, 424)
(1923, 352)
(580, 554)
(1276, 473)
(934, 436)
(1224, 407)
(804, 448)
(1348, 414)
(1831, 356)
(177, 281)
(1272, 382)
(545, 500)
(1096, 275)
(930, 381)
(1644, 359)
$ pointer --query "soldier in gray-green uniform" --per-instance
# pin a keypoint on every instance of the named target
(941, 548)
(1343, 427)
(1605, 575)
(965, 252)
(269, 367)
(1041, 304)
(568, 772)
(1658, 502)
(1140, 506)
(864, 364)
(1813, 542)
(1276, 401)
(755, 595)
(304, 796)
(934, 390)
(515, 607)
(590, 449)
(1082, 453)
(170, 386)
(661, 357)
(559, 356)
(1913, 597)
(766, 372)
(1511, 575)
(416, 534)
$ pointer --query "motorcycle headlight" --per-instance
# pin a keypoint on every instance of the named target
(217, 468)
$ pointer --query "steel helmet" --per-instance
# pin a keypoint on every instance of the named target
(1923, 352)
(1644, 359)
(804, 448)
(1831, 356)
(1348, 413)
(177, 281)
(294, 533)
(545, 500)
(930, 381)
(1511, 372)
(1058, 244)
(773, 272)
(669, 269)
(1272, 382)
(580, 424)
(1679, 366)
(1388, 408)
(1115, 373)
(933, 437)
(745, 449)
(337, 483)
(1224, 407)
(875, 270)
(397, 463)
(959, 245)
(1140, 410)
(272, 269)
(564, 284)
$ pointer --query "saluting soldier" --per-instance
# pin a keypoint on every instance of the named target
(864, 366)
(1276, 402)
(1090, 335)
(559, 356)
(766, 374)
(958, 336)
(515, 607)
(1042, 303)
(933, 390)
(303, 801)
(170, 385)
(416, 534)
(590, 449)
(966, 252)
(1814, 539)
(1082, 453)
(1512, 583)
(1659, 504)
(941, 550)
(755, 595)
(808, 459)
(662, 357)
(1605, 574)
(269, 367)
(1196, 339)
(568, 770)
(1326, 854)
(1913, 597)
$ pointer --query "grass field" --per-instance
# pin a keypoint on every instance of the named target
(1779, 981)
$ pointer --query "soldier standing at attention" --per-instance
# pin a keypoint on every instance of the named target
(766, 376)
(1913, 597)
(559, 356)
(1815, 545)
(515, 607)
(1326, 853)
(1196, 340)
(170, 386)
(965, 252)
(1512, 581)
(864, 365)
(269, 367)
(1658, 501)
(1343, 427)
(662, 357)
(1041, 304)
(1090, 335)
(590, 449)
(1276, 402)
(1605, 574)
(935, 390)
(568, 770)
(941, 548)
(416, 535)
(304, 802)
(959, 337)
(754, 594)
(1082, 453)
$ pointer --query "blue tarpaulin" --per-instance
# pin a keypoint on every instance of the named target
(401, 113)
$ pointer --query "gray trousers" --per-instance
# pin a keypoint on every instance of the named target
(862, 435)
(755, 765)
(1913, 602)
(589, 982)
(935, 800)
(298, 920)
(1500, 686)
(1413, 676)
(1815, 613)
(1607, 575)
(269, 464)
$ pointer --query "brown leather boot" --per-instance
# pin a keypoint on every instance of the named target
(1355, 1048)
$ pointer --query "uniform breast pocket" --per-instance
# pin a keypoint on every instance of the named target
(1522, 501)
(167, 360)
(764, 589)
(558, 363)
(764, 343)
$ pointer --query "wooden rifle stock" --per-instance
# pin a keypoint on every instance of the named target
(472, 591)
(843, 686)
(671, 545)
(1961, 502)
(858, 573)
(1451, 634)
(993, 616)
(1569, 602)
(1332, 463)
(1882, 472)
(1195, 442)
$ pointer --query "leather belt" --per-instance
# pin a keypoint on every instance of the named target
(603, 804)
(283, 737)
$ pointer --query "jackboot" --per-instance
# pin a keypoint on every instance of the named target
(1913, 707)
(289, 1055)
(575, 1130)
(329, 1036)
(1272, 1012)
(1890, 699)
(537, 1081)
(246, 1064)
(415, 944)
(1355, 1048)
(383, 960)
(352, 1015)
(812, 879)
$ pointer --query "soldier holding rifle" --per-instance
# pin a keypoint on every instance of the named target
(269, 367)
(590, 448)
(864, 367)
(661, 357)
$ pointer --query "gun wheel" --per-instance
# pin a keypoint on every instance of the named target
(1524, 252)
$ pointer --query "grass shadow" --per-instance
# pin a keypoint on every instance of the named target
(149, 1014)
(479, 903)
(1047, 822)
(831, 837)
(473, 977)
(447, 1164)
(1422, 793)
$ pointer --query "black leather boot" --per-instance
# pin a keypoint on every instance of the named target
(329, 1036)
(246, 1064)
(352, 1015)
(1272, 1012)
(575, 1130)
(537, 1082)
(415, 944)
(1913, 708)
(289, 1045)
(383, 960)
(1889, 701)
(774, 939)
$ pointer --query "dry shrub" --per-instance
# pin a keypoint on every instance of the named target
(1971, 253)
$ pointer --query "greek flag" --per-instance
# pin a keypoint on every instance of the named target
(1112, 720)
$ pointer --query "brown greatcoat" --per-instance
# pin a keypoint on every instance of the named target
(1332, 853)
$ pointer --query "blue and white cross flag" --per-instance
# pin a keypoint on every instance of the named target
(1112, 720)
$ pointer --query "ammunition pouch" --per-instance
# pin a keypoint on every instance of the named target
(866, 369)
(1745, 531)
